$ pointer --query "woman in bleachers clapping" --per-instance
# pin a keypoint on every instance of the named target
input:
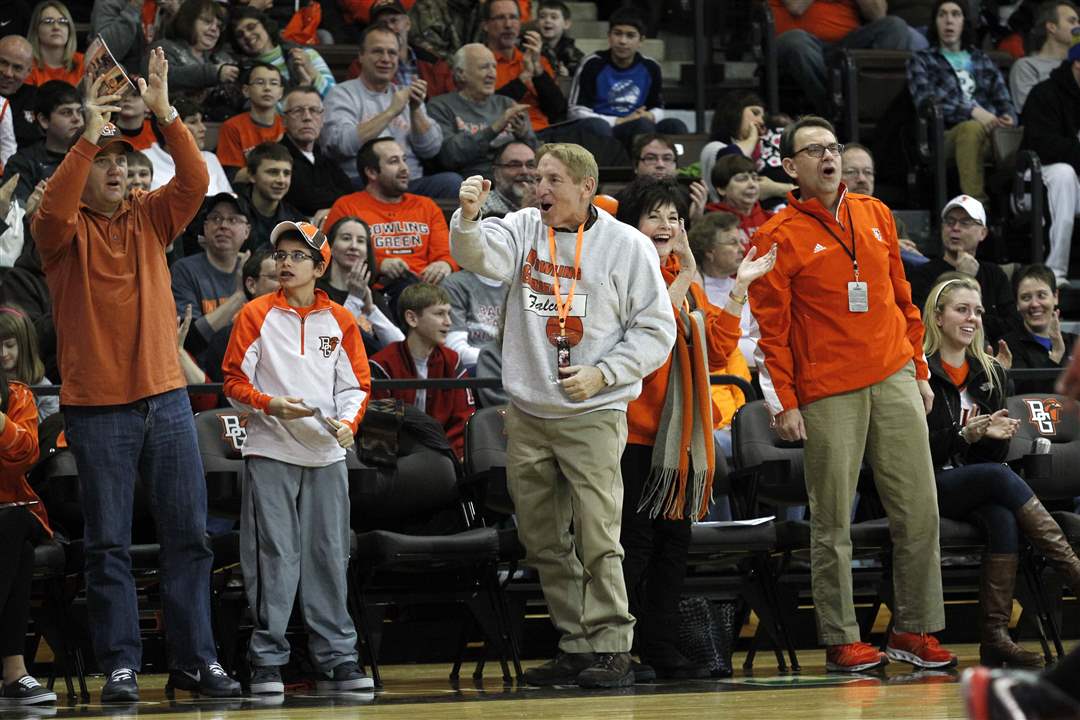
(52, 39)
(255, 37)
(23, 521)
(1040, 343)
(969, 438)
(193, 48)
(965, 83)
(20, 356)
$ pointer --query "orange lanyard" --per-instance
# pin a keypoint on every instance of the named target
(563, 309)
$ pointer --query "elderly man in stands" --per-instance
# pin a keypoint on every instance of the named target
(514, 180)
(317, 181)
(1055, 23)
(807, 29)
(16, 61)
(1052, 129)
(372, 106)
(475, 121)
(414, 61)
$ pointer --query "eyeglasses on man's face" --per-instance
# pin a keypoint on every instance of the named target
(232, 220)
(297, 256)
(517, 165)
(302, 111)
(817, 150)
(653, 159)
(964, 222)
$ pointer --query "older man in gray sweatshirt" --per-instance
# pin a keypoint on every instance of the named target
(587, 317)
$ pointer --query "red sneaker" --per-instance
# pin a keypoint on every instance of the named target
(854, 657)
(919, 649)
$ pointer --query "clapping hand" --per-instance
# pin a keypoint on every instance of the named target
(98, 110)
(752, 267)
(357, 281)
(997, 426)
(472, 194)
(155, 90)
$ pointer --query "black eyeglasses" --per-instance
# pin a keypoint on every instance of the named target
(816, 150)
(297, 256)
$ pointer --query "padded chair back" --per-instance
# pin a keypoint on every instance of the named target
(755, 443)
(485, 458)
(1057, 419)
(421, 484)
(221, 433)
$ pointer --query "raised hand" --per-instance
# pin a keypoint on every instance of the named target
(98, 109)
(751, 267)
(1004, 355)
(699, 195)
(1057, 340)
(417, 93)
(184, 327)
(471, 196)
(155, 89)
(401, 98)
(34, 200)
(357, 281)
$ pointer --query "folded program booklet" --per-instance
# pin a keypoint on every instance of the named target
(98, 62)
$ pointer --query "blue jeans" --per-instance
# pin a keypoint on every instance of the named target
(116, 445)
(987, 494)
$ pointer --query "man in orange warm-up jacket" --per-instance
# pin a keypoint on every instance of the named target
(842, 368)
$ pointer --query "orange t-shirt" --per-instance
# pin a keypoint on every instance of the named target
(41, 75)
(143, 139)
(239, 134)
(508, 70)
(413, 229)
(828, 20)
(958, 375)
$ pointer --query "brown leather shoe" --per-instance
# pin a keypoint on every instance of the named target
(1046, 535)
(610, 670)
(997, 648)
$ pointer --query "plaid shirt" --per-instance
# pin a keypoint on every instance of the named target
(931, 77)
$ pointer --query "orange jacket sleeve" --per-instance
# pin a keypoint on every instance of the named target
(19, 438)
(241, 357)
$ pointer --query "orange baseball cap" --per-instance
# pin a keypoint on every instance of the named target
(312, 235)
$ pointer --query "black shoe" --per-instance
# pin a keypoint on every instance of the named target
(563, 670)
(346, 676)
(266, 681)
(610, 670)
(209, 680)
(120, 687)
(26, 691)
(1003, 695)
(642, 673)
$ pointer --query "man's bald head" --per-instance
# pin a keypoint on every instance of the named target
(16, 60)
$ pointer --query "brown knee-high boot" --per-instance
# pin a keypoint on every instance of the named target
(1046, 535)
(995, 604)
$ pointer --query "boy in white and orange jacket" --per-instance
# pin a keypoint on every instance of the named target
(297, 360)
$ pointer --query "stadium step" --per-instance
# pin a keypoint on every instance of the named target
(580, 11)
(650, 47)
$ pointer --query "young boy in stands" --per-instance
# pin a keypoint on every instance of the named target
(140, 171)
(553, 22)
(425, 309)
(240, 133)
(736, 181)
(296, 362)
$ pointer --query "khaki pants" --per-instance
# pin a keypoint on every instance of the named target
(561, 473)
(969, 144)
(887, 422)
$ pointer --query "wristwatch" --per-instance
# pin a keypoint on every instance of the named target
(169, 117)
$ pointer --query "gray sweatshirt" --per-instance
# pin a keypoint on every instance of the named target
(350, 103)
(621, 301)
(469, 142)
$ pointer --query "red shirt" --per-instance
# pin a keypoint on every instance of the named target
(239, 134)
(828, 20)
(19, 451)
(41, 75)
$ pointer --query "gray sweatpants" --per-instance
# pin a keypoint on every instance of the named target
(294, 531)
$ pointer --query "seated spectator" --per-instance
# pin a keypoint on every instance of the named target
(317, 180)
(414, 61)
(476, 304)
(132, 122)
(20, 529)
(348, 283)
(269, 166)
(16, 61)
(12, 232)
(858, 172)
(1053, 33)
(807, 29)
(209, 282)
(739, 128)
(622, 86)
(963, 228)
(513, 180)
(58, 112)
(192, 46)
(656, 155)
(239, 134)
(52, 36)
(1052, 130)
(553, 21)
(475, 121)
(165, 167)
(425, 309)
(409, 235)
(20, 357)
(967, 85)
(255, 37)
(718, 248)
(735, 179)
(1040, 342)
(372, 106)
(140, 171)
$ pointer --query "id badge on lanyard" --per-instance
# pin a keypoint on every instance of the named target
(858, 298)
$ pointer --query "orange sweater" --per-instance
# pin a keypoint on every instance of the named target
(239, 134)
(41, 75)
(828, 20)
(112, 292)
(723, 333)
(19, 451)
(814, 346)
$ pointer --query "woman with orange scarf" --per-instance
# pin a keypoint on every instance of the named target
(669, 461)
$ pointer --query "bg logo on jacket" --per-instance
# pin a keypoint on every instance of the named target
(327, 345)
(234, 430)
(1044, 414)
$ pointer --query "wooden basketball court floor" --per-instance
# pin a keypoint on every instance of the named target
(423, 691)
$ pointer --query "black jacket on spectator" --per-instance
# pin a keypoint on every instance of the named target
(27, 131)
(999, 305)
(34, 163)
(1052, 118)
(944, 420)
(315, 186)
(1028, 353)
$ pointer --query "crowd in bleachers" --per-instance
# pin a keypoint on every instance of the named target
(374, 156)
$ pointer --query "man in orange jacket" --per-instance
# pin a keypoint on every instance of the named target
(842, 368)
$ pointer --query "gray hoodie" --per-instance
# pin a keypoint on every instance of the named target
(621, 300)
